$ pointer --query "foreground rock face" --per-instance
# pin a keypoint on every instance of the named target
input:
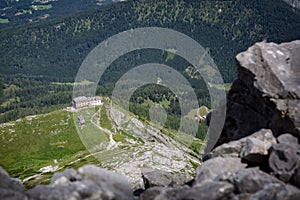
(257, 155)
(10, 188)
(89, 182)
(266, 93)
(285, 160)
(256, 158)
(238, 175)
(212, 169)
(154, 178)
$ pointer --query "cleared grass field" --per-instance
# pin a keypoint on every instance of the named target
(43, 7)
(34, 142)
(4, 21)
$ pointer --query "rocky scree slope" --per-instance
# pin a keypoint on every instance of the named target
(257, 156)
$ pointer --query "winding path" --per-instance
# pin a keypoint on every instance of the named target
(112, 142)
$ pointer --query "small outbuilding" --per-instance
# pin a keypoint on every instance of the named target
(81, 120)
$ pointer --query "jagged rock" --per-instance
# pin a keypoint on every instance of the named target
(75, 190)
(160, 178)
(7, 182)
(275, 191)
(284, 160)
(231, 149)
(154, 178)
(264, 135)
(287, 139)
(214, 167)
(182, 179)
(67, 175)
(251, 180)
(226, 176)
(256, 147)
(151, 193)
(253, 148)
(266, 93)
(6, 194)
(89, 182)
(163, 193)
(208, 190)
(243, 196)
(291, 142)
(10, 188)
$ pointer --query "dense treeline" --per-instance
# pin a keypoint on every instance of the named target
(155, 94)
(136, 58)
(150, 95)
(55, 49)
(53, 9)
(21, 96)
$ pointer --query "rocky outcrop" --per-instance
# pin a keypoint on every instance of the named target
(213, 168)
(154, 178)
(10, 188)
(236, 176)
(209, 190)
(285, 160)
(257, 155)
(88, 182)
(266, 93)
(253, 148)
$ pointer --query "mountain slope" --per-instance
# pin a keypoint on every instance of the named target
(34, 147)
(55, 49)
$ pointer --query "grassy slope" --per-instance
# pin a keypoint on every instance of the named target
(34, 142)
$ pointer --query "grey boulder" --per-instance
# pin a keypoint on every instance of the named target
(251, 180)
(284, 160)
(275, 191)
(208, 190)
(89, 182)
(154, 178)
(231, 149)
(10, 188)
(215, 167)
(256, 146)
(288, 139)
